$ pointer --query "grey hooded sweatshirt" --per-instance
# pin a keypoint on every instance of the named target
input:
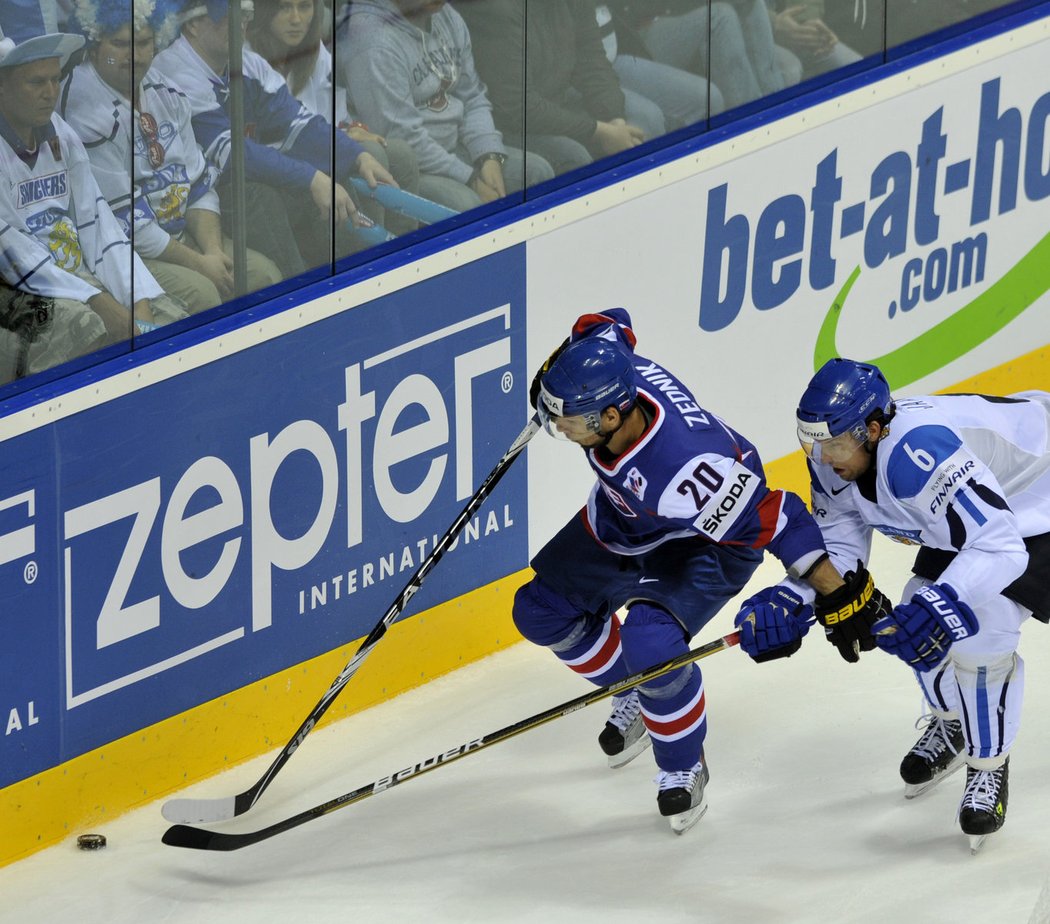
(415, 79)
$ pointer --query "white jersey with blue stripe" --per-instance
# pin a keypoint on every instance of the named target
(963, 473)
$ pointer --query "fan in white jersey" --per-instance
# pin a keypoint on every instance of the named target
(967, 478)
(61, 244)
(128, 115)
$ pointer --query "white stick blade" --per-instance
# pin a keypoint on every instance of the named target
(198, 811)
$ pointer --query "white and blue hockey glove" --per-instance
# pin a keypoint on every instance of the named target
(921, 632)
(773, 622)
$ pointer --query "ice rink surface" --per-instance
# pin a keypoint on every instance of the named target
(807, 821)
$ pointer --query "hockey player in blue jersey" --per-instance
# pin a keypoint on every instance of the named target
(967, 478)
(675, 525)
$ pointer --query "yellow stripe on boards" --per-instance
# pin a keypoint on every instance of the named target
(96, 787)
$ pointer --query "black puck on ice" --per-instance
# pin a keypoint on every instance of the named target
(91, 841)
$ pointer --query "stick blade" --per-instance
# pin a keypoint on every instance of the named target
(199, 811)
(199, 839)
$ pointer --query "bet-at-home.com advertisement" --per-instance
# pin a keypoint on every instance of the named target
(913, 231)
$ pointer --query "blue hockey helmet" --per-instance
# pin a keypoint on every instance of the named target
(834, 410)
(587, 377)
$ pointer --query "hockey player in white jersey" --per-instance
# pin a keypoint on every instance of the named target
(967, 478)
(136, 130)
(59, 241)
(675, 525)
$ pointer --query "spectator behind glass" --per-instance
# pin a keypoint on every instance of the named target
(731, 43)
(410, 70)
(571, 108)
(292, 200)
(800, 27)
(176, 212)
(289, 35)
(682, 96)
(71, 282)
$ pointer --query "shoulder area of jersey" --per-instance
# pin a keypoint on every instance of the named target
(910, 456)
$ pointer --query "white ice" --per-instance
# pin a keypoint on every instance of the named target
(807, 820)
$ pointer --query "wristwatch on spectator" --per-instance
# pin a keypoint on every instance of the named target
(501, 159)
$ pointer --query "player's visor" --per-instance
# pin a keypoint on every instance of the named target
(834, 449)
(571, 428)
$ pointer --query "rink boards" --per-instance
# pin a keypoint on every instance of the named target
(191, 545)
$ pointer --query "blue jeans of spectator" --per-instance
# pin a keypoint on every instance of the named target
(522, 169)
(741, 59)
(681, 95)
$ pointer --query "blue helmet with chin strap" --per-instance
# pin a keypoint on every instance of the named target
(587, 377)
(841, 398)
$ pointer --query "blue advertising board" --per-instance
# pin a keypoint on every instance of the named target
(179, 542)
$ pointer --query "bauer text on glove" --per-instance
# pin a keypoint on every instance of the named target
(921, 631)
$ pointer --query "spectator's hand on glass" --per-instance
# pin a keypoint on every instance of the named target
(373, 172)
(488, 183)
(616, 135)
(807, 37)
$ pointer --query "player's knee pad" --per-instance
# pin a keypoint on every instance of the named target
(650, 635)
(545, 617)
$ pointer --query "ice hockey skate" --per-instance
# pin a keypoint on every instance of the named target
(937, 754)
(624, 736)
(682, 797)
(983, 807)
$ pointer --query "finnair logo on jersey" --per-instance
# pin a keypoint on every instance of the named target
(42, 187)
(891, 212)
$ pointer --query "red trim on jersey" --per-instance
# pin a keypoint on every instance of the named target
(675, 727)
(768, 516)
(606, 655)
(585, 321)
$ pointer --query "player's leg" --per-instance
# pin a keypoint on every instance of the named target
(678, 588)
(569, 607)
(989, 676)
(673, 708)
(941, 749)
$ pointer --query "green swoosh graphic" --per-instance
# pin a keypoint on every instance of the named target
(969, 327)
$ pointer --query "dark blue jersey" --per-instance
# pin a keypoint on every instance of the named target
(688, 474)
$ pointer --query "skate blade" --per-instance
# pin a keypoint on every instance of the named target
(628, 754)
(683, 821)
(976, 841)
(913, 790)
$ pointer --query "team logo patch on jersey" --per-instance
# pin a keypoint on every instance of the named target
(636, 483)
(904, 536)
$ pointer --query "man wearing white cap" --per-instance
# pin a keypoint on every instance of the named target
(59, 241)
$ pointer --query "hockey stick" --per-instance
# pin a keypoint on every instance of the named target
(200, 839)
(209, 810)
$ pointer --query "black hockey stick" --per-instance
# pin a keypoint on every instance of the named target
(210, 810)
(200, 839)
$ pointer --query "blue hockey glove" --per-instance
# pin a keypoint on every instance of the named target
(921, 632)
(772, 623)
